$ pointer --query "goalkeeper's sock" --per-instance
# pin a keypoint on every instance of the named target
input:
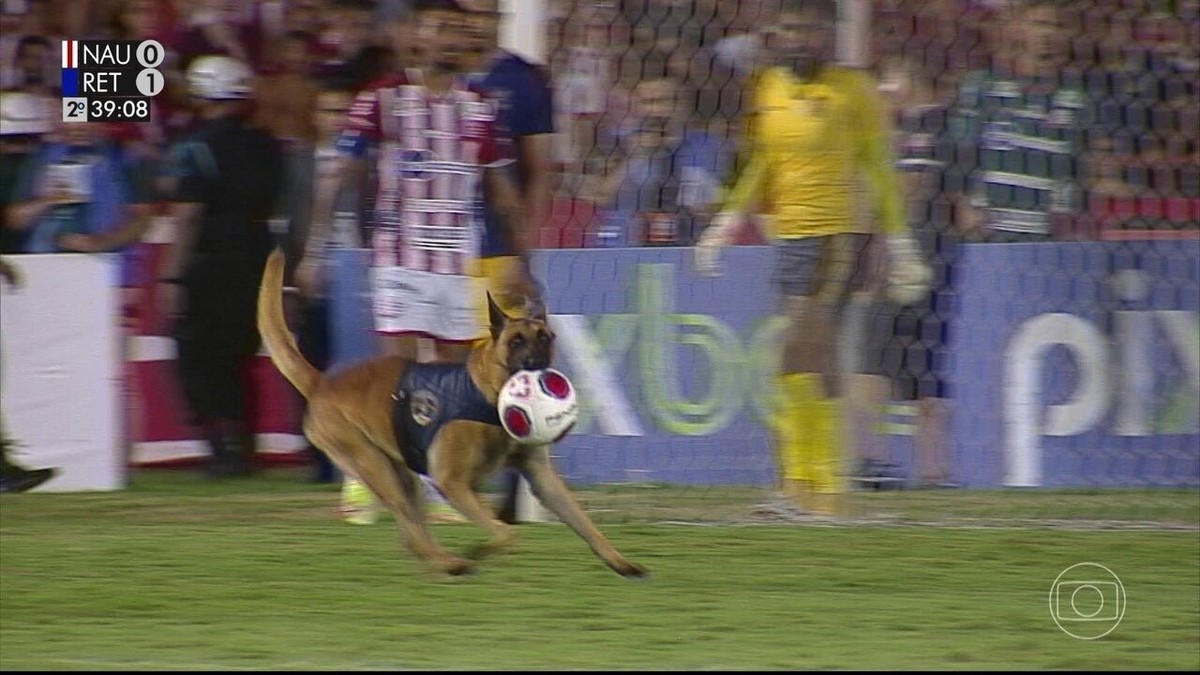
(793, 424)
(828, 446)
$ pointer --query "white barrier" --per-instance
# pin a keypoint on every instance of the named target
(59, 342)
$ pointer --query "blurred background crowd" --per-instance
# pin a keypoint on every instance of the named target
(650, 95)
(623, 69)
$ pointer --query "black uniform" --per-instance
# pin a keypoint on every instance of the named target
(236, 173)
(428, 396)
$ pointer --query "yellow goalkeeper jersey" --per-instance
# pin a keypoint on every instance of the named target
(810, 142)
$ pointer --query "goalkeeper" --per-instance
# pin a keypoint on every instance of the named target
(815, 129)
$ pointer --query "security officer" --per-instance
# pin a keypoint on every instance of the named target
(229, 178)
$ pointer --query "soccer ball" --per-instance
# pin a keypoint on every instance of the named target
(537, 406)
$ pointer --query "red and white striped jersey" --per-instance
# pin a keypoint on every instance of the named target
(431, 153)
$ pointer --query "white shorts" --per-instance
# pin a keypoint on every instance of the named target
(414, 302)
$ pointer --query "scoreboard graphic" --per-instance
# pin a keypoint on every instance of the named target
(110, 80)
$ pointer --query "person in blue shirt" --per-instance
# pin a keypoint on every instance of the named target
(522, 90)
(526, 114)
(669, 174)
(78, 193)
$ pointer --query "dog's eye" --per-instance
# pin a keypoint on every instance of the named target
(543, 337)
(518, 341)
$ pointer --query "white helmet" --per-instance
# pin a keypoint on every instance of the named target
(220, 78)
(22, 113)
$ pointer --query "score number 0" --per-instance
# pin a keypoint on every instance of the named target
(150, 54)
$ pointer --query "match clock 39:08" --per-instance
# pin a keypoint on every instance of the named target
(82, 109)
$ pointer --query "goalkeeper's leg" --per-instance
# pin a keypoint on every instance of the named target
(813, 445)
(817, 276)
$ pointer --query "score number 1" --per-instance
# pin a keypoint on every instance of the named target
(150, 82)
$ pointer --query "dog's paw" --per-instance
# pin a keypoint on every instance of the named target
(491, 547)
(630, 570)
(457, 567)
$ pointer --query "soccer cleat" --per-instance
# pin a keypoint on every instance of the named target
(831, 504)
(799, 493)
(436, 512)
(358, 505)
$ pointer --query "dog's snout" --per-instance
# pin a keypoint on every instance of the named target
(536, 362)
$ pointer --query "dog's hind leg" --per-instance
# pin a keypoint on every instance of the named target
(397, 487)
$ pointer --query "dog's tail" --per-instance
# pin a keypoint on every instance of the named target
(275, 334)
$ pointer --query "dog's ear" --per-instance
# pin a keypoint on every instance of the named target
(496, 316)
(536, 309)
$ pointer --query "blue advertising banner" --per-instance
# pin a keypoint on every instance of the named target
(669, 367)
(1077, 364)
(1074, 364)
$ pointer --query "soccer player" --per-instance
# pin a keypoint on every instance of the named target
(526, 112)
(815, 128)
(437, 149)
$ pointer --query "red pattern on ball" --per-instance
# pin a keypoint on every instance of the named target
(517, 422)
(555, 384)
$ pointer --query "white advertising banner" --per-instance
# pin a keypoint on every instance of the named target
(59, 375)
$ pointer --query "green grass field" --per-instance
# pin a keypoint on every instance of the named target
(177, 573)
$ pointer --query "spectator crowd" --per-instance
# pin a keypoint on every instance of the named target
(650, 97)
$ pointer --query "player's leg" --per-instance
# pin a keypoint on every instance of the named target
(462, 325)
(404, 346)
(823, 272)
(933, 442)
(886, 374)
(494, 271)
(358, 505)
(934, 466)
(868, 390)
(794, 267)
(868, 330)
(840, 271)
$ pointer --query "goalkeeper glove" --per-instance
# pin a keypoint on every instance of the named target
(719, 233)
(909, 276)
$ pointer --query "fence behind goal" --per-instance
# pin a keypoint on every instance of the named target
(1071, 362)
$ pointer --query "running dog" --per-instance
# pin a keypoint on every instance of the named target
(373, 418)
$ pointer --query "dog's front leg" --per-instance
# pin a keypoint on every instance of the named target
(550, 488)
(457, 459)
(398, 488)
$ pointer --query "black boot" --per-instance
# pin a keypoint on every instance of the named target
(239, 444)
(218, 462)
(16, 478)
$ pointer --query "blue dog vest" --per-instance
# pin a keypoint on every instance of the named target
(427, 397)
